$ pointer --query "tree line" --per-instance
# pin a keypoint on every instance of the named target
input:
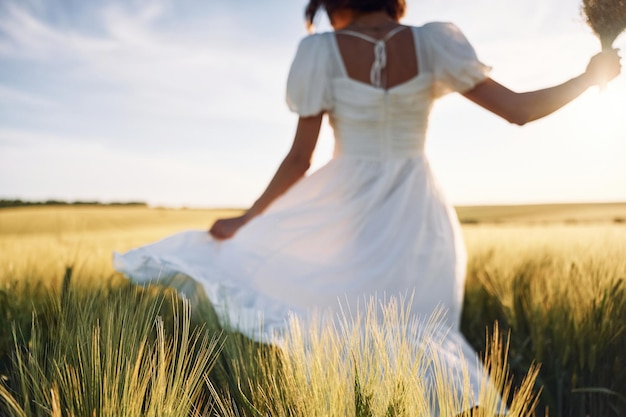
(25, 203)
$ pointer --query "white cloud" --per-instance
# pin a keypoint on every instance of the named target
(26, 37)
(142, 85)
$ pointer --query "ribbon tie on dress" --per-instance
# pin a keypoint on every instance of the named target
(380, 53)
(380, 62)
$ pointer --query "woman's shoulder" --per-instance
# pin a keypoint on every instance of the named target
(441, 29)
(446, 36)
(316, 38)
(307, 94)
(315, 45)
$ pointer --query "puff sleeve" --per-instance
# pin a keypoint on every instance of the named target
(454, 62)
(308, 84)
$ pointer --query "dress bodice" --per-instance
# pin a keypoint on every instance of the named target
(380, 124)
(370, 121)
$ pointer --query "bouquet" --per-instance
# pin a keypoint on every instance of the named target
(607, 18)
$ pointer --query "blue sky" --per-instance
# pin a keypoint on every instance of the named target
(181, 103)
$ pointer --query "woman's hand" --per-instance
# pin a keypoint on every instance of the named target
(604, 67)
(226, 228)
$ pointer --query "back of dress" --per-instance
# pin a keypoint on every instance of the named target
(372, 121)
(369, 119)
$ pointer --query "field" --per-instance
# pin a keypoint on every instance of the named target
(76, 339)
(544, 213)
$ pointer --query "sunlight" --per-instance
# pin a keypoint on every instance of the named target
(325, 147)
(601, 112)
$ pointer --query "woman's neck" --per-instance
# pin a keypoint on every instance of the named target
(371, 21)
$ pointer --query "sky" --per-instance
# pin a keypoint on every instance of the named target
(181, 102)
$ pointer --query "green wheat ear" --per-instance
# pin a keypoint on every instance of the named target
(123, 361)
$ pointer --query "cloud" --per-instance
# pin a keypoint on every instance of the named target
(26, 37)
(140, 79)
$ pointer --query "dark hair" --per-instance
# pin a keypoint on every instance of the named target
(394, 8)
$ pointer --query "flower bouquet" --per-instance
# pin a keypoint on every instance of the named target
(607, 18)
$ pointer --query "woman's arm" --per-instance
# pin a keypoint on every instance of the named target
(521, 108)
(293, 167)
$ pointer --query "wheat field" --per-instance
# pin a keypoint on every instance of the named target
(76, 339)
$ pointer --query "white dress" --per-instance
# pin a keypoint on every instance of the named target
(373, 221)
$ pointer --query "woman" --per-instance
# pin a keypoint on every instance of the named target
(373, 220)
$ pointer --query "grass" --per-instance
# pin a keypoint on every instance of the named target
(561, 292)
(107, 354)
(83, 237)
(69, 347)
(134, 352)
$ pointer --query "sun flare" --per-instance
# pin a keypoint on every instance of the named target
(601, 112)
